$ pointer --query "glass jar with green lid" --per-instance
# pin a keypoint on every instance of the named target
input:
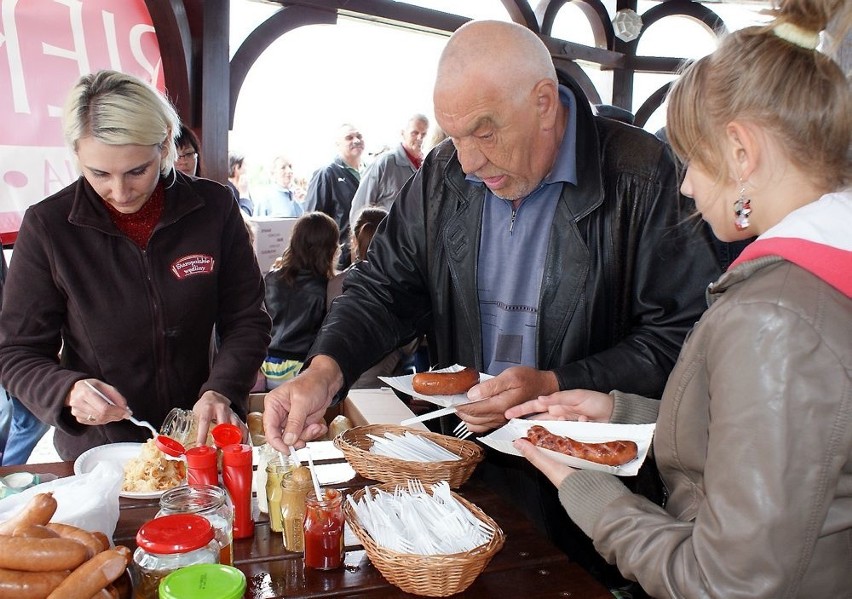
(204, 581)
(166, 544)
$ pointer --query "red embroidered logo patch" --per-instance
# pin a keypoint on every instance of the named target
(194, 264)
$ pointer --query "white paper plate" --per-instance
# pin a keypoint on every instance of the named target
(403, 383)
(587, 432)
(118, 453)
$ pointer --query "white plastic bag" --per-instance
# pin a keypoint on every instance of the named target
(89, 501)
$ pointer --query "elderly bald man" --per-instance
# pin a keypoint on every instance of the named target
(543, 245)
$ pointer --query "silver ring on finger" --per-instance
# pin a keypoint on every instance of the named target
(90, 418)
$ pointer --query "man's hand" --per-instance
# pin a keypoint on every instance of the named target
(576, 404)
(294, 412)
(511, 387)
(214, 408)
(553, 470)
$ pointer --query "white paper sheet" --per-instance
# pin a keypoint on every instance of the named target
(587, 432)
(403, 383)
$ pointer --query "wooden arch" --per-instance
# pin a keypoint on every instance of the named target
(286, 19)
(193, 37)
(672, 8)
(594, 11)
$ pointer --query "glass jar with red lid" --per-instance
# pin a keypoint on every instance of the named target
(205, 500)
(166, 544)
(324, 530)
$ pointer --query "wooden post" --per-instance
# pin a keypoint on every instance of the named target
(215, 86)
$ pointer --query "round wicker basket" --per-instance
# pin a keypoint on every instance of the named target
(355, 445)
(428, 575)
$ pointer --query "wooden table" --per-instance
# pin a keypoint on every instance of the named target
(528, 565)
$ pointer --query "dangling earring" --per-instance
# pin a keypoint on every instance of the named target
(742, 208)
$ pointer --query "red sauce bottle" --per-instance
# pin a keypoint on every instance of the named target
(324, 530)
(201, 466)
(236, 475)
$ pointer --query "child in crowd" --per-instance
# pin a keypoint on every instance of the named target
(296, 294)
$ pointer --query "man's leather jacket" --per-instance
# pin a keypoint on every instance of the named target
(623, 281)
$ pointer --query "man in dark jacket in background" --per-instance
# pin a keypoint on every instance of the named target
(542, 244)
(332, 187)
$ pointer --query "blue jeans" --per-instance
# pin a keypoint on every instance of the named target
(5, 420)
(24, 434)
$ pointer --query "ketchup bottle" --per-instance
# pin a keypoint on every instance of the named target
(236, 475)
(201, 466)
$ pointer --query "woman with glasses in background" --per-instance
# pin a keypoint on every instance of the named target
(188, 159)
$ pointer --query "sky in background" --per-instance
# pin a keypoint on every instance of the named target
(314, 78)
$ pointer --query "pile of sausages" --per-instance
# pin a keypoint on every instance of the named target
(39, 558)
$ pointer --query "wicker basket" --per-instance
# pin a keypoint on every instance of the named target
(429, 575)
(355, 446)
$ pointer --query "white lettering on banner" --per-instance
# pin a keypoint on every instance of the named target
(112, 40)
(78, 52)
(13, 52)
(30, 172)
(45, 45)
(54, 180)
(136, 34)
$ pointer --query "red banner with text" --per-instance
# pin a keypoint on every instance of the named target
(45, 46)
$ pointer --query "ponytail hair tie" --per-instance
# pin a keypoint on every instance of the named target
(809, 40)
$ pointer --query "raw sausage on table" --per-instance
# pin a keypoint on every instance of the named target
(611, 453)
(100, 571)
(85, 537)
(39, 510)
(15, 584)
(444, 383)
(35, 531)
(41, 555)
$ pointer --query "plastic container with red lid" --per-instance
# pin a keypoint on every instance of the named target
(237, 475)
(226, 434)
(201, 466)
(166, 544)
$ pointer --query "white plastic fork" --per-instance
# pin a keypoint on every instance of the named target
(415, 487)
(461, 431)
(141, 423)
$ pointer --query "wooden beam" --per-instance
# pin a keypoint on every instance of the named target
(594, 11)
(651, 104)
(279, 23)
(607, 59)
(173, 36)
(582, 79)
(684, 8)
(655, 64)
(214, 88)
(389, 12)
(521, 13)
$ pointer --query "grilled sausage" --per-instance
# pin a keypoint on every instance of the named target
(611, 453)
(444, 383)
